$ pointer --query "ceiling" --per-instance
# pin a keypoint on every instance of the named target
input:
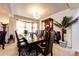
(3, 11)
(43, 9)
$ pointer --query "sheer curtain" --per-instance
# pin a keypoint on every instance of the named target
(20, 26)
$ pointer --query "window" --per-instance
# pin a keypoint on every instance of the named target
(20, 26)
(29, 26)
(35, 27)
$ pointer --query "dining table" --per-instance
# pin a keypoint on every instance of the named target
(30, 43)
(32, 40)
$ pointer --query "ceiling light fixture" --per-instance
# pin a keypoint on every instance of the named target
(36, 12)
(36, 15)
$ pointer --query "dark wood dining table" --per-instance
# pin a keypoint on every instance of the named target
(34, 41)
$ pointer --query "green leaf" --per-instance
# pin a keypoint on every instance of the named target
(72, 22)
(65, 21)
(57, 25)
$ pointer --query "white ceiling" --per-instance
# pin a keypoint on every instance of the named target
(45, 9)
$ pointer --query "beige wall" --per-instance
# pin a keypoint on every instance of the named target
(12, 25)
(10, 28)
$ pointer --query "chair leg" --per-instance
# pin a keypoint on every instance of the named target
(36, 52)
(19, 52)
(51, 53)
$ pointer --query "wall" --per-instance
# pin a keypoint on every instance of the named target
(75, 34)
(10, 28)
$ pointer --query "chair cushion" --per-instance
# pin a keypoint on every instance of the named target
(22, 43)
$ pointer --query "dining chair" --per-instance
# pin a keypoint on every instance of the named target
(2, 39)
(24, 48)
(21, 43)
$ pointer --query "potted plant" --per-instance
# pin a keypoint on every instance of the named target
(66, 22)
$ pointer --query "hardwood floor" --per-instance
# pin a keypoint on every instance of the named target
(10, 50)
(76, 53)
(59, 51)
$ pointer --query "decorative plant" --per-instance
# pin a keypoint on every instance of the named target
(66, 22)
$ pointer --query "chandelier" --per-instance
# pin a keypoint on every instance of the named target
(36, 15)
(36, 12)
